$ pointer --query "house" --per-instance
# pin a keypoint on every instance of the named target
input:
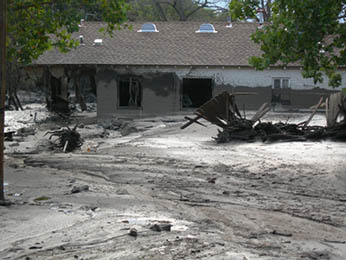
(168, 67)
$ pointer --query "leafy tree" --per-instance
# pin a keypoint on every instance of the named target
(34, 26)
(248, 9)
(175, 10)
(32, 22)
(310, 33)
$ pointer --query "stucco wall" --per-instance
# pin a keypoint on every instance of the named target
(160, 93)
(162, 87)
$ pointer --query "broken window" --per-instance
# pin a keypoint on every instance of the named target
(196, 92)
(130, 92)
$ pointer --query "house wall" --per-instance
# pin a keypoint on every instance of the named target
(160, 93)
(162, 87)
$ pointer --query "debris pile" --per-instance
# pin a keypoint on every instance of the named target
(223, 112)
(69, 139)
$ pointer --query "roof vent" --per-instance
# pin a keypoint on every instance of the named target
(148, 27)
(206, 28)
(98, 42)
(81, 40)
(81, 23)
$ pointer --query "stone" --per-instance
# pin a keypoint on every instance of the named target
(133, 232)
(77, 189)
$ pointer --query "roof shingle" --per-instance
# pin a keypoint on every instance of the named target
(176, 43)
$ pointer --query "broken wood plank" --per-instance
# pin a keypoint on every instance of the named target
(332, 108)
(194, 121)
(261, 112)
(191, 121)
(313, 113)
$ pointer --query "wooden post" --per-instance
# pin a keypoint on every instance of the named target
(3, 24)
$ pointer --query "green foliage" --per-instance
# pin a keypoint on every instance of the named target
(35, 26)
(243, 9)
(175, 10)
(306, 33)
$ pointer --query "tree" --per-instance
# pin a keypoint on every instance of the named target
(248, 9)
(176, 10)
(30, 24)
(34, 26)
(309, 33)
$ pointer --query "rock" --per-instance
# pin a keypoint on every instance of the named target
(25, 131)
(211, 179)
(81, 125)
(127, 129)
(77, 189)
(161, 227)
(133, 232)
(122, 192)
(226, 192)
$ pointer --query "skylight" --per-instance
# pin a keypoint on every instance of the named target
(148, 27)
(206, 28)
(98, 42)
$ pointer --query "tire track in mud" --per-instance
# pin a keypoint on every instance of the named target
(248, 196)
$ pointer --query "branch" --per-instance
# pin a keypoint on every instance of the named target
(35, 4)
(205, 4)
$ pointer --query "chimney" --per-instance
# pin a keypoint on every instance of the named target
(260, 15)
(229, 22)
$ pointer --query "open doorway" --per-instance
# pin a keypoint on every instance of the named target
(196, 92)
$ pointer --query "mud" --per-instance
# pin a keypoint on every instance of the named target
(233, 201)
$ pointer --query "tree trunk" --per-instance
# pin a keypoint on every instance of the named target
(3, 24)
(79, 95)
(160, 11)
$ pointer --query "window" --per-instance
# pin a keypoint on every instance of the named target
(281, 83)
(130, 93)
(281, 91)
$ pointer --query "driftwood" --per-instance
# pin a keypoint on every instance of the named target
(223, 112)
(69, 139)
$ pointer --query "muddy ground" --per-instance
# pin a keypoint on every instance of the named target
(236, 201)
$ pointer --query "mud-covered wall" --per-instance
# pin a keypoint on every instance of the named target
(106, 81)
(309, 97)
(160, 93)
(162, 87)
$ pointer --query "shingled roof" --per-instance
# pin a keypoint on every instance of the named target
(176, 43)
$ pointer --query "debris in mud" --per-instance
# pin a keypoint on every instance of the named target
(122, 192)
(133, 232)
(161, 227)
(127, 129)
(8, 136)
(69, 139)
(77, 189)
(25, 131)
(223, 112)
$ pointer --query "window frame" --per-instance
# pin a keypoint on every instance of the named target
(128, 79)
(281, 82)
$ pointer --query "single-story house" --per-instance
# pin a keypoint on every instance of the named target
(168, 67)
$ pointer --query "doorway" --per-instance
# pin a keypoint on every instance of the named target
(196, 92)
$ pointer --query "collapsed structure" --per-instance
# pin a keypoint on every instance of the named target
(223, 112)
(168, 67)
